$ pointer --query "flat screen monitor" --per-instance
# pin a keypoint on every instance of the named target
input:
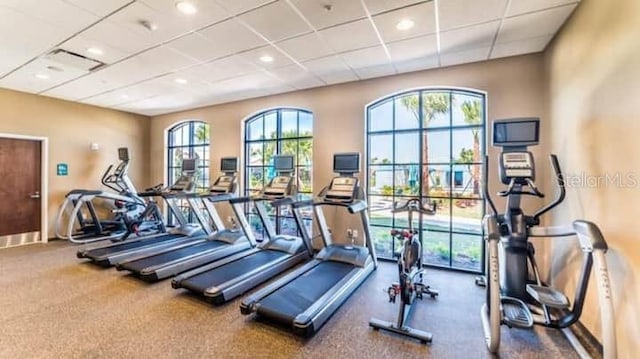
(516, 132)
(189, 165)
(346, 162)
(283, 163)
(123, 154)
(229, 164)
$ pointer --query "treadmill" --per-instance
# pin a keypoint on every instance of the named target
(307, 297)
(166, 262)
(230, 277)
(109, 255)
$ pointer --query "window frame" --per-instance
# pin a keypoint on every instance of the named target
(451, 167)
(203, 165)
(280, 215)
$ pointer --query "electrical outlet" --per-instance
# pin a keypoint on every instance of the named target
(355, 233)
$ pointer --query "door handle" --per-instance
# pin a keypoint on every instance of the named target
(36, 195)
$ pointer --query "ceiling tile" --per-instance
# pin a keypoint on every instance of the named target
(422, 15)
(24, 37)
(465, 56)
(276, 21)
(238, 6)
(369, 57)
(209, 12)
(232, 66)
(417, 64)
(255, 81)
(527, 46)
(340, 12)
(518, 7)
(169, 26)
(54, 12)
(331, 69)
(416, 48)
(326, 65)
(351, 36)
(126, 73)
(458, 13)
(375, 71)
(194, 85)
(469, 37)
(296, 77)
(100, 8)
(113, 34)
(196, 46)
(79, 45)
(534, 25)
(161, 104)
(164, 59)
(24, 79)
(242, 39)
(339, 77)
(378, 6)
(253, 56)
(113, 98)
(305, 47)
(87, 86)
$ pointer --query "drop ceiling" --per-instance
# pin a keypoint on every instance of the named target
(231, 50)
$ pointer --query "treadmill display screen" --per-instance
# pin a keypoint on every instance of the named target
(188, 165)
(346, 162)
(516, 133)
(283, 163)
(123, 154)
(229, 164)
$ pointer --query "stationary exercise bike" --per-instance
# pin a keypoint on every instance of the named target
(516, 295)
(410, 271)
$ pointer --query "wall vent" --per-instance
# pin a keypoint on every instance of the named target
(73, 60)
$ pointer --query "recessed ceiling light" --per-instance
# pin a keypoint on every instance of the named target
(181, 81)
(124, 96)
(405, 24)
(95, 51)
(266, 58)
(186, 7)
(42, 76)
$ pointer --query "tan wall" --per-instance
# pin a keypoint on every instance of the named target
(515, 87)
(594, 75)
(71, 128)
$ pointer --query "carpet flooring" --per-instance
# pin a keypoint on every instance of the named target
(53, 305)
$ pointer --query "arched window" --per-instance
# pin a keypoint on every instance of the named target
(278, 131)
(187, 140)
(429, 143)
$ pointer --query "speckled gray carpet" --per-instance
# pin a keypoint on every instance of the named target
(56, 306)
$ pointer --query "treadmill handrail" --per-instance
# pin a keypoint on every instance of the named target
(217, 197)
(354, 207)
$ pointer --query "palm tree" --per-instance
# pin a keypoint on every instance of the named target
(202, 133)
(472, 111)
(432, 105)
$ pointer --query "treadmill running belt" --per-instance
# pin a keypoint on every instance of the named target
(203, 281)
(294, 298)
(99, 252)
(143, 263)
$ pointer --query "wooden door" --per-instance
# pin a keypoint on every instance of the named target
(20, 186)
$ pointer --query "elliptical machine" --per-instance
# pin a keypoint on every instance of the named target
(516, 295)
(410, 286)
(79, 222)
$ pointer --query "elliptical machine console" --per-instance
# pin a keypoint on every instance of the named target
(516, 295)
